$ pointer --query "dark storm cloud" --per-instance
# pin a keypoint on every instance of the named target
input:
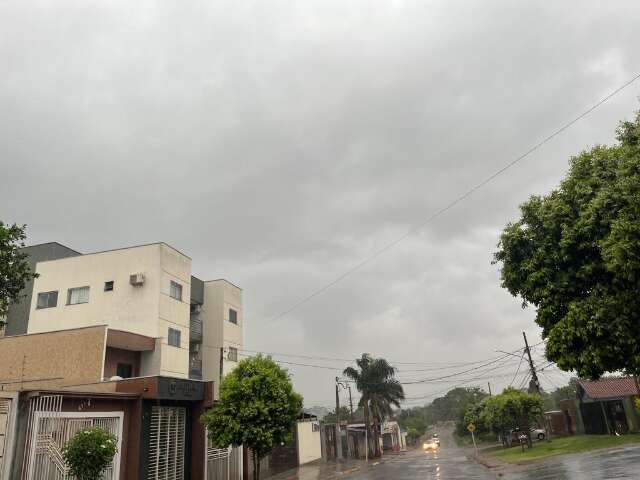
(279, 143)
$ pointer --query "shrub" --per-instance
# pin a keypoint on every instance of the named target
(89, 453)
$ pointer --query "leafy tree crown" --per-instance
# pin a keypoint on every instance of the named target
(14, 268)
(575, 256)
(258, 407)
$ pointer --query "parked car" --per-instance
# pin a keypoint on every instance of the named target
(539, 433)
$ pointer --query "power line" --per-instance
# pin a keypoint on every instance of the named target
(518, 370)
(454, 202)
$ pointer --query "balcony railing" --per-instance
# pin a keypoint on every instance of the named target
(195, 330)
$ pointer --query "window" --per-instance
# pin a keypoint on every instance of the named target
(174, 337)
(47, 300)
(233, 354)
(124, 370)
(77, 295)
(108, 287)
(175, 291)
(233, 316)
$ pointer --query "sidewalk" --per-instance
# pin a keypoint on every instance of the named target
(332, 470)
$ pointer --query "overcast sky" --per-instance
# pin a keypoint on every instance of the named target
(280, 143)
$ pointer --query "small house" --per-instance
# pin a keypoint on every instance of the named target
(607, 406)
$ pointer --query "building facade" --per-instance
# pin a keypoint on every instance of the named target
(147, 290)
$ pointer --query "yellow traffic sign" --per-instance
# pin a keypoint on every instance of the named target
(471, 427)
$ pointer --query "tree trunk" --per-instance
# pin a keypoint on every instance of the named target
(376, 430)
(366, 425)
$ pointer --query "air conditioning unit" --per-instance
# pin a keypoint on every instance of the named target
(196, 308)
(136, 279)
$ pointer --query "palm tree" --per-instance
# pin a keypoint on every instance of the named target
(375, 380)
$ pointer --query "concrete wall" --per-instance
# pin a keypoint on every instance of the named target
(38, 360)
(18, 315)
(309, 447)
(147, 310)
(217, 331)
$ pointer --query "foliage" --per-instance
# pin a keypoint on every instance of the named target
(637, 404)
(509, 410)
(89, 453)
(14, 269)
(345, 414)
(258, 408)
(575, 256)
(380, 391)
(450, 407)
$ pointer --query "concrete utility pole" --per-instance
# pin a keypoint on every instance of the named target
(350, 404)
(536, 384)
(534, 375)
(489, 385)
(338, 436)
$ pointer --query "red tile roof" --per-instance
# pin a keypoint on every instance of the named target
(609, 387)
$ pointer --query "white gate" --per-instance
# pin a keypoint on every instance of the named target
(223, 463)
(166, 443)
(50, 429)
(5, 404)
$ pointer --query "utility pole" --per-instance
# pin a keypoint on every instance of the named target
(536, 384)
(534, 375)
(338, 435)
(350, 404)
(489, 385)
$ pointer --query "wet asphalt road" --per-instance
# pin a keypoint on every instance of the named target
(623, 462)
(446, 464)
(452, 463)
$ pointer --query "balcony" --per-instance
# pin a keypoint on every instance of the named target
(195, 330)
(195, 369)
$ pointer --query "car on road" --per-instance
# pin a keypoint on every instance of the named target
(431, 444)
(436, 438)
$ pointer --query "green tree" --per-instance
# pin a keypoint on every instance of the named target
(14, 268)
(509, 410)
(89, 453)
(331, 417)
(258, 408)
(575, 256)
(379, 391)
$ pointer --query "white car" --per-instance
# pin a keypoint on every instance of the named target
(539, 433)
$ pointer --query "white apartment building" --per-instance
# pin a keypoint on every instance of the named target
(145, 292)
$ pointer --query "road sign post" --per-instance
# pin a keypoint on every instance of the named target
(472, 428)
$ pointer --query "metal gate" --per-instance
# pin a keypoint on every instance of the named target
(166, 443)
(5, 404)
(224, 463)
(48, 431)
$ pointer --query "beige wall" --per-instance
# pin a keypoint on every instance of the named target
(218, 332)
(309, 448)
(146, 310)
(39, 359)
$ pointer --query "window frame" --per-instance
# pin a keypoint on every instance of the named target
(236, 316)
(178, 287)
(177, 334)
(69, 290)
(109, 283)
(232, 354)
(38, 307)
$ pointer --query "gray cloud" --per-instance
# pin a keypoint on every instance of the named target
(279, 144)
